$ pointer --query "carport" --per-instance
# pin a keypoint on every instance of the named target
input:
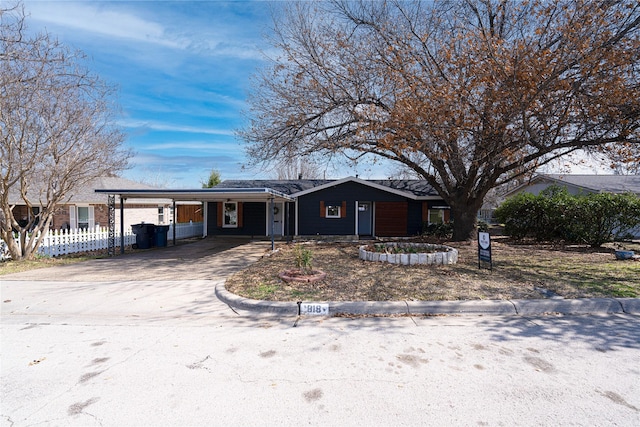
(205, 195)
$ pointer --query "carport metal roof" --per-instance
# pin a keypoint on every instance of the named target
(200, 195)
(204, 194)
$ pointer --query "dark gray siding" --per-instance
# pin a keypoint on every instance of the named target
(253, 220)
(311, 222)
(414, 220)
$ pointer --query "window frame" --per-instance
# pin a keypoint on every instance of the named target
(88, 219)
(336, 215)
(441, 215)
(224, 215)
(74, 217)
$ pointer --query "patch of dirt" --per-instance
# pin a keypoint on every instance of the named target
(519, 272)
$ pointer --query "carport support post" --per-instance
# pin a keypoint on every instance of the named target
(271, 216)
(174, 222)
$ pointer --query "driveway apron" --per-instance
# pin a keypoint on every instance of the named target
(206, 259)
(159, 284)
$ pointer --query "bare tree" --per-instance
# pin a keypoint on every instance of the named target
(56, 124)
(297, 168)
(470, 94)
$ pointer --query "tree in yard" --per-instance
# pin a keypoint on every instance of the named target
(296, 168)
(56, 129)
(469, 94)
(214, 179)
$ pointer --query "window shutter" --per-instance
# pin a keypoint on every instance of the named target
(447, 215)
(240, 214)
(72, 217)
(425, 212)
(92, 218)
(323, 211)
(343, 210)
(220, 214)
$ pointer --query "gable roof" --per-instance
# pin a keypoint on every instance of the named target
(412, 189)
(600, 183)
(589, 183)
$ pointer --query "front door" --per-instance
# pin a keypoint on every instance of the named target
(364, 219)
(278, 215)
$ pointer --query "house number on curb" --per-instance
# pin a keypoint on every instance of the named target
(313, 309)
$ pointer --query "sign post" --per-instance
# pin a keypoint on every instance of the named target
(484, 249)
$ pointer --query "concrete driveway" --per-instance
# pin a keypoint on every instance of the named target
(207, 259)
(154, 285)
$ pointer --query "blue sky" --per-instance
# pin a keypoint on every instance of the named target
(183, 71)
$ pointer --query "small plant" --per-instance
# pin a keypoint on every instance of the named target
(483, 226)
(440, 231)
(303, 259)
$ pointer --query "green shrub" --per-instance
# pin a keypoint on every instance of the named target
(303, 258)
(556, 215)
(441, 231)
(483, 225)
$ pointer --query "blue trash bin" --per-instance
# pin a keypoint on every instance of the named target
(161, 235)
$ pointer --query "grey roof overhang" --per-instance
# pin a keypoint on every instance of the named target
(204, 194)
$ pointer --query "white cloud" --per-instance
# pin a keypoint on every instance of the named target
(115, 21)
(168, 127)
(219, 147)
(111, 23)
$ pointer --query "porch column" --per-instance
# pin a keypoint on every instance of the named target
(272, 217)
(205, 222)
(174, 222)
(287, 221)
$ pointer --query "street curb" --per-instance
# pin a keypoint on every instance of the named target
(568, 306)
(242, 303)
(630, 305)
(474, 307)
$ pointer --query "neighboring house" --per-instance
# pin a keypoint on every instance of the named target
(349, 206)
(86, 209)
(581, 184)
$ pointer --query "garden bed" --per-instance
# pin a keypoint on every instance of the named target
(408, 253)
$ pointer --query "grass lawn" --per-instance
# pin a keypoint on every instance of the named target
(519, 271)
(10, 267)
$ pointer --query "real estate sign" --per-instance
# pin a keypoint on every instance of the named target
(484, 249)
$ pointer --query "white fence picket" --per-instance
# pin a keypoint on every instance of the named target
(63, 242)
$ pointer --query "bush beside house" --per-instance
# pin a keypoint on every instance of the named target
(556, 215)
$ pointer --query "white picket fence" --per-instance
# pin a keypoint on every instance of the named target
(186, 230)
(63, 242)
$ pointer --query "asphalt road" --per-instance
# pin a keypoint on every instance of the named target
(153, 353)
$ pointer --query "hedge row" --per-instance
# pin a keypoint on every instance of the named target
(556, 215)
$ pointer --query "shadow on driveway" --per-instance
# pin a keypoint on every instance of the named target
(207, 259)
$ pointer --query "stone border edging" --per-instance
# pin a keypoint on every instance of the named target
(475, 307)
(446, 256)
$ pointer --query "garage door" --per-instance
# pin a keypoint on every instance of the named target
(391, 219)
